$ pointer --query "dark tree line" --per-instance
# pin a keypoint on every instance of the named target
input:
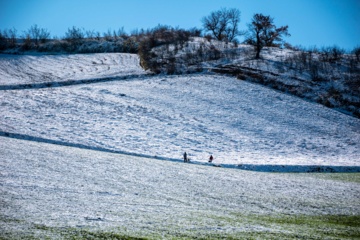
(222, 25)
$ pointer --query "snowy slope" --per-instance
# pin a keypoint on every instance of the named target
(47, 188)
(332, 80)
(57, 68)
(236, 121)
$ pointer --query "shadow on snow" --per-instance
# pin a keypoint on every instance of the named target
(249, 167)
(54, 84)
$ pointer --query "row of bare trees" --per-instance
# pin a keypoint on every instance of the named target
(35, 37)
(222, 25)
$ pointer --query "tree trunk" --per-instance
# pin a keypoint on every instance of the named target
(257, 54)
(258, 44)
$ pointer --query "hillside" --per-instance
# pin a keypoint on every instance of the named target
(104, 160)
(236, 121)
(327, 76)
(40, 68)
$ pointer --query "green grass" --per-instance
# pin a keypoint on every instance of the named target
(84, 234)
(344, 177)
(268, 227)
(235, 225)
(307, 227)
(231, 226)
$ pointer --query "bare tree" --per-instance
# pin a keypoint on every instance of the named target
(37, 34)
(263, 33)
(108, 35)
(74, 34)
(122, 33)
(10, 37)
(223, 24)
(3, 40)
(98, 35)
(234, 20)
(90, 34)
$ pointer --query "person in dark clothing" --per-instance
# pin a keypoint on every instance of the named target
(185, 157)
(211, 158)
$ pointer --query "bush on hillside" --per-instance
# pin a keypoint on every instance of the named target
(159, 36)
(37, 35)
(3, 41)
(8, 39)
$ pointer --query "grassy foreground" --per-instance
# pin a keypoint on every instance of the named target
(233, 225)
(268, 227)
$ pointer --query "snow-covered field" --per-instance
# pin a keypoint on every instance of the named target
(28, 69)
(46, 189)
(48, 186)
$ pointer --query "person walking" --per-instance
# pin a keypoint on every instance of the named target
(211, 158)
(185, 157)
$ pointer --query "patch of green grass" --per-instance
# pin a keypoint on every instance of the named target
(75, 234)
(344, 177)
(308, 227)
(42, 227)
(231, 226)
(5, 219)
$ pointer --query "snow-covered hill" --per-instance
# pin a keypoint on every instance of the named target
(30, 69)
(236, 121)
(49, 190)
(326, 76)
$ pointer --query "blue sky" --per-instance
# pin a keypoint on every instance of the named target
(311, 22)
